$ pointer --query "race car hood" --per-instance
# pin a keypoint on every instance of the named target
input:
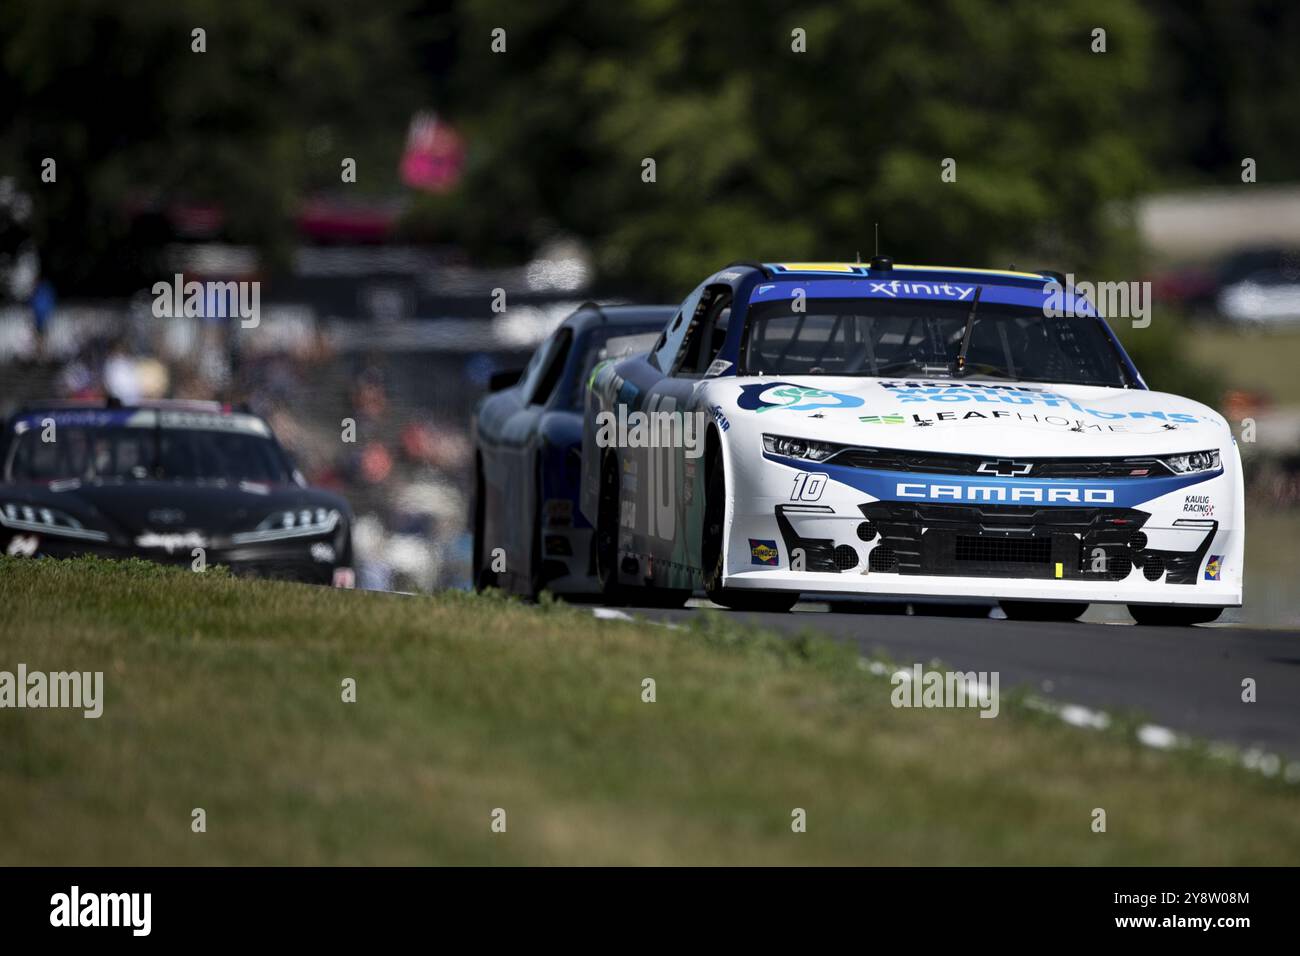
(969, 416)
(162, 507)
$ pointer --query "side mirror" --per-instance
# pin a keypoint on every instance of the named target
(504, 379)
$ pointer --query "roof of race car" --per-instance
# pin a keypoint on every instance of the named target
(936, 283)
(842, 269)
(591, 314)
(205, 416)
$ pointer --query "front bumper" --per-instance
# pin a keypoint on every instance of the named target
(1007, 589)
(285, 561)
(848, 543)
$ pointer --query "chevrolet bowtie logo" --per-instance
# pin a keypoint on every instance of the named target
(1004, 467)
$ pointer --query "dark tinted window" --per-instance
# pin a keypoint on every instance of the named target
(707, 334)
(908, 337)
(608, 344)
(666, 351)
(550, 373)
(168, 453)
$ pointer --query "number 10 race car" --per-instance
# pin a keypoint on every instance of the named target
(906, 431)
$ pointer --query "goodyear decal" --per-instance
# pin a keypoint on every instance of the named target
(720, 417)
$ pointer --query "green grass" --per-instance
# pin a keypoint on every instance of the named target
(1272, 556)
(1256, 360)
(225, 694)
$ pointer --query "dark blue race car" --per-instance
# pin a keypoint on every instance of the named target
(528, 531)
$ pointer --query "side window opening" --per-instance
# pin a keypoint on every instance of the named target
(666, 354)
(553, 368)
(706, 335)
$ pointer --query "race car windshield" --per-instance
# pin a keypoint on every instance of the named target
(873, 337)
(135, 453)
(602, 346)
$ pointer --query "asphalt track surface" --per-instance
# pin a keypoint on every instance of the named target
(1188, 679)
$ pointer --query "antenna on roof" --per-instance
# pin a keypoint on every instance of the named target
(859, 255)
(877, 238)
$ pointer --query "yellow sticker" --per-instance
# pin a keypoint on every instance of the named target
(847, 267)
(1060, 569)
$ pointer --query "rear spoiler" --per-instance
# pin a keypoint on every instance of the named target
(156, 404)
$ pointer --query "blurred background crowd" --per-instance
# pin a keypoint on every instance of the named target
(500, 146)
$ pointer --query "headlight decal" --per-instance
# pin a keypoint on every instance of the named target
(288, 524)
(46, 521)
(1193, 462)
(805, 448)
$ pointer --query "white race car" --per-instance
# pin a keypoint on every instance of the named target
(911, 432)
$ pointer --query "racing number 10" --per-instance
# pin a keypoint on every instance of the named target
(808, 486)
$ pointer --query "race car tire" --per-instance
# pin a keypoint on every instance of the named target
(606, 548)
(1165, 616)
(1042, 610)
(536, 578)
(606, 536)
(659, 597)
(715, 516)
(777, 602)
(484, 577)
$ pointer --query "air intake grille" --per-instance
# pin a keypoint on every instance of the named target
(1004, 541)
(1007, 551)
(930, 463)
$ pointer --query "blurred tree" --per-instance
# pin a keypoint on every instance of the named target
(764, 152)
(1229, 79)
(1161, 355)
(136, 119)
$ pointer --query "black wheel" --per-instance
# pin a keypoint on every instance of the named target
(536, 579)
(736, 599)
(1165, 616)
(715, 517)
(1042, 610)
(484, 576)
(607, 517)
(659, 597)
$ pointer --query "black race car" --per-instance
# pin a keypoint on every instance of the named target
(191, 483)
